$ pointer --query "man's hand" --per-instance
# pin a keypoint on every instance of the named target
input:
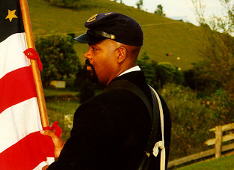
(45, 167)
(58, 142)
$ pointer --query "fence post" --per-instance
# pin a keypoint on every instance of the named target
(218, 141)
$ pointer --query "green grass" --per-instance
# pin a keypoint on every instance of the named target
(62, 111)
(61, 106)
(59, 92)
(64, 107)
(162, 35)
(224, 163)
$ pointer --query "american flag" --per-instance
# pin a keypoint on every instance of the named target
(22, 147)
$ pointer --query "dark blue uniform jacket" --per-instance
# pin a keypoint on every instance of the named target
(110, 131)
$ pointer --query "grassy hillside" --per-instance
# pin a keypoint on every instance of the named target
(162, 35)
(224, 163)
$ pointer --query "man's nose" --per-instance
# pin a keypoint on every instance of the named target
(88, 54)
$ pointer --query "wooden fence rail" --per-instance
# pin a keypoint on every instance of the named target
(217, 150)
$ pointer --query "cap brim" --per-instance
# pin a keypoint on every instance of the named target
(84, 38)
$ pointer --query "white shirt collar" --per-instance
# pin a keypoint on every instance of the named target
(135, 68)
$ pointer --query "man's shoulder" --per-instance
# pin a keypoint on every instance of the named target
(109, 97)
(113, 95)
(115, 99)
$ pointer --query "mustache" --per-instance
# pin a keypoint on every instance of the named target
(88, 64)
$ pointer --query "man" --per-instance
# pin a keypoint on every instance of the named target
(111, 130)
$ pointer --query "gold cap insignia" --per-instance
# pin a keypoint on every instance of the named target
(92, 18)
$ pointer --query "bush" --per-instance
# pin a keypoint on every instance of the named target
(147, 67)
(167, 73)
(194, 78)
(222, 105)
(218, 62)
(192, 117)
(157, 75)
(59, 59)
(190, 120)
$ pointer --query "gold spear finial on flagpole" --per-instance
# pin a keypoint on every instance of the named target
(35, 70)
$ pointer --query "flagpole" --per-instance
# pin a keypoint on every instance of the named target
(35, 70)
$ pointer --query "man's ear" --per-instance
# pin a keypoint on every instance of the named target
(122, 54)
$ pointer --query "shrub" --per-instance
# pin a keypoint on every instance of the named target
(194, 78)
(222, 105)
(218, 62)
(190, 120)
(157, 74)
(147, 67)
(59, 59)
(167, 73)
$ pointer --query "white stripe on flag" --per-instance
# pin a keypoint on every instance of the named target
(11, 53)
(20, 147)
(18, 121)
(49, 160)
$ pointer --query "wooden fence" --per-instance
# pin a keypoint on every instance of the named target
(220, 137)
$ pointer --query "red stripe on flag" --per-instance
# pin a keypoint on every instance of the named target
(16, 86)
(27, 153)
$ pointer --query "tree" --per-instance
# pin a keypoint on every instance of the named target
(159, 10)
(222, 24)
(59, 59)
(219, 60)
(139, 4)
(199, 11)
(157, 75)
(147, 66)
(218, 53)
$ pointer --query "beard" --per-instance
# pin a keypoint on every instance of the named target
(91, 73)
